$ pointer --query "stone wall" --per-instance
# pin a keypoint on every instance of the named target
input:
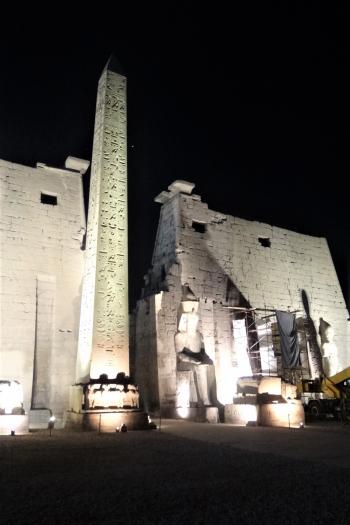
(267, 277)
(41, 273)
(146, 365)
(228, 261)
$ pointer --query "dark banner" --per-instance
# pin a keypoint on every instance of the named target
(289, 339)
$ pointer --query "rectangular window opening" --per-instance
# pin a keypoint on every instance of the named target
(199, 227)
(48, 199)
(265, 242)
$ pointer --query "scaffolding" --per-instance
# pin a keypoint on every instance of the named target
(264, 347)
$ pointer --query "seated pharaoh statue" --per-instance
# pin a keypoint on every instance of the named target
(193, 386)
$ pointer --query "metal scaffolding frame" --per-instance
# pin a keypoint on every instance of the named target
(271, 338)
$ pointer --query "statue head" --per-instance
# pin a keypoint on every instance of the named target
(187, 294)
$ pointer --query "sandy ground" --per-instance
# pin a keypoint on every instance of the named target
(187, 473)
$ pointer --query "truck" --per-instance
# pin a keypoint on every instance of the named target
(327, 396)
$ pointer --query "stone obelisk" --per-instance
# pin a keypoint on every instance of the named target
(104, 325)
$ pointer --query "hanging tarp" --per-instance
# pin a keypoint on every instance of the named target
(289, 339)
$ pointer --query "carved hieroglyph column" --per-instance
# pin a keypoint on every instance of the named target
(104, 325)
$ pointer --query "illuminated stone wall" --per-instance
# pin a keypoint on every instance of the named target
(151, 347)
(226, 260)
(104, 340)
(41, 273)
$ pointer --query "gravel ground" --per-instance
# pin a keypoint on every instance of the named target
(187, 473)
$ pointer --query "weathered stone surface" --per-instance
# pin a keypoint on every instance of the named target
(41, 270)
(107, 421)
(227, 262)
(104, 339)
(72, 163)
(181, 186)
(212, 415)
(39, 419)
(290, 415)
(243, 413)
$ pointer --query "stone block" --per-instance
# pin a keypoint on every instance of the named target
(181, 186)
(76, 398)
(270, 385)
(39, 419)
(212, 415)
(197, 414)
(41, 241)
(241, 414)
(289, 415)
(13, 423)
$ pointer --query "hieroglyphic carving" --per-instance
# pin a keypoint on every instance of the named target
(103, 341)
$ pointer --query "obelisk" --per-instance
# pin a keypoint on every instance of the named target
(104, 325)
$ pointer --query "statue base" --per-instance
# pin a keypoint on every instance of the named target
(104, 405)
(242, 412)
(288, 415)
(107, 420)
(199, 414)
(265, 412)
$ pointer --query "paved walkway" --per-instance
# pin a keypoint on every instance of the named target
(189, 473)
(328, 442)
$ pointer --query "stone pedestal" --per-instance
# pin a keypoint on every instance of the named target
(276, 413)
(198, 414)
(89, 408)
(289, 415)
(107, 420)
(242, 413)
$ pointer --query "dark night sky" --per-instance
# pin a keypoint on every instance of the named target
(252, 106)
